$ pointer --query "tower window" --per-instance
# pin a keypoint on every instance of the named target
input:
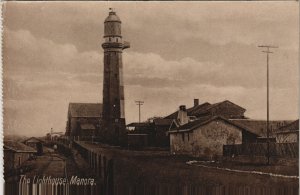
(117, 39)
(109, 39)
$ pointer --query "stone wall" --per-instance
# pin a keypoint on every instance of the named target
(207, 140)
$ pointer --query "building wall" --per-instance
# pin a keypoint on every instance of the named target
(75, 124)
(161, 137)
(31, 144)
(291, 137)
(207, 140)
(13, 160)
(8, 159)
(137, 140)
(87, 132)
(19, 158)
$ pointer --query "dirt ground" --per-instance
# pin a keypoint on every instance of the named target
(159, 167)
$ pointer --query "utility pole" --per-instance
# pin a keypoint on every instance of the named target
(267, 47)
(139, 103)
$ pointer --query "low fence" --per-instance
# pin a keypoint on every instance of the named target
(285, 150)
(101, 164)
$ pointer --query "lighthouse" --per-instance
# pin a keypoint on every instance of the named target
(113, 114)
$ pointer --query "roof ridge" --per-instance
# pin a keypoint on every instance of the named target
(212, 119)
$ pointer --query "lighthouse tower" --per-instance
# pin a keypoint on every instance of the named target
(113, 115)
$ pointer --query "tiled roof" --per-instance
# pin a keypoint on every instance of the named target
(85, 109)
(33, 139)
(201, 109)
(208, 107)
(293, 126)
(204, 120)
(194, 124)
(260, 126)
(18, 147)
(190, 111)
(162, 122)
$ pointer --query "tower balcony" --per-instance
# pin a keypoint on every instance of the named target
(108, 45)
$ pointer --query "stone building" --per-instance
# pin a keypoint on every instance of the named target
(84, 119)
(15, 154)
(206, 136)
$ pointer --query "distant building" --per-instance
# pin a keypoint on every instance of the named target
(143, 127)
(206, 136)
(226, 109)
(155, 129)
(15, 154)
(161, 128)
(83, 119)
(288, 133)
(35, 143)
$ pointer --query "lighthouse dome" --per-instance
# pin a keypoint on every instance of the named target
(112, 17)
(112, 25)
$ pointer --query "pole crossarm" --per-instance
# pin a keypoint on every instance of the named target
(139, 103)
(267, 52)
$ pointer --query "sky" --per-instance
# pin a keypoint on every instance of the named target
(179, 51)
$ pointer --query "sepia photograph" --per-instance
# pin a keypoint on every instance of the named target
(150, 98)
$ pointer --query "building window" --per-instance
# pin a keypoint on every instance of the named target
(117, 39)
(182, 136)
(188, 136)
(109, 39)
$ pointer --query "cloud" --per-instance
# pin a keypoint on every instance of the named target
(151, 69)
(40, 54)
(52, 56)
(218, 23)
